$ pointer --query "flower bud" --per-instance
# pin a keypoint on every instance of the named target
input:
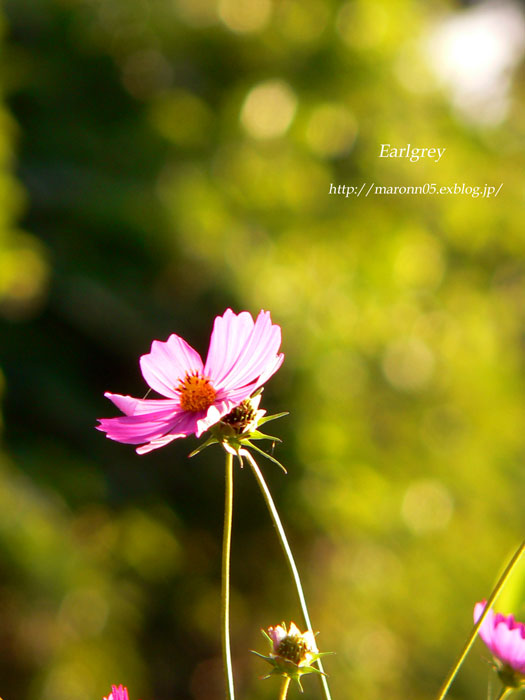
(292, 652)
(245, 417)
(237, 429)
(293, 645)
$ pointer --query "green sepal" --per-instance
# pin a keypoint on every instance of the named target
(265, 454)
(284, 667)
(266, 658)
(210, 441)
(257, 435)
(305, 670)
(267, 636)
(266, 419)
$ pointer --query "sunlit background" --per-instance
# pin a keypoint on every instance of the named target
(162, 160)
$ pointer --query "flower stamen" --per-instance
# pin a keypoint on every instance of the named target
(196, 393)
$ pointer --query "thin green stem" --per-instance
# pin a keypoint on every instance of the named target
(284, 688)
(225, 588)
(288, 554)
(470, 641)
(506, 691)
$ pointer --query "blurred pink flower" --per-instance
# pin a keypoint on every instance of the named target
(505, 638)
(242, 355)
(117, 693)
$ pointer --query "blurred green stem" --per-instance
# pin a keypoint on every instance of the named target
(288, 553)
(470, 641)
(506, 691)
(225, 590)
(284, 688)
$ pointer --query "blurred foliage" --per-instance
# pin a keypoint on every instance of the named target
(163, 159)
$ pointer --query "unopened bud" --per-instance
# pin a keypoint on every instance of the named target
(292, 652)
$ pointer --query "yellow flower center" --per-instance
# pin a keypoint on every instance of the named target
(196, 393)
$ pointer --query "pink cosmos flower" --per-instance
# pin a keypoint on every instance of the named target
(504, 637)
(117, 693)
(242, 355)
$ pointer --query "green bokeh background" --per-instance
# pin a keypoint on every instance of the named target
(162, 160)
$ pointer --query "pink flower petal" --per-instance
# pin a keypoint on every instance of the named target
(309, 638)
(487, 626)
(255, 357)
(213, 415)
(504, 637)
(228, 338)
(168, 363)
(277, 634)
(506, 643)
(238, 395)
(159, 442)
(118, 693)
(145, 427)
(132, 407)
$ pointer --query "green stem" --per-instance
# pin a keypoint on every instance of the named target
(470, 641)
(505, 691)
(284, 688)
(225, 589)
(288, 553)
